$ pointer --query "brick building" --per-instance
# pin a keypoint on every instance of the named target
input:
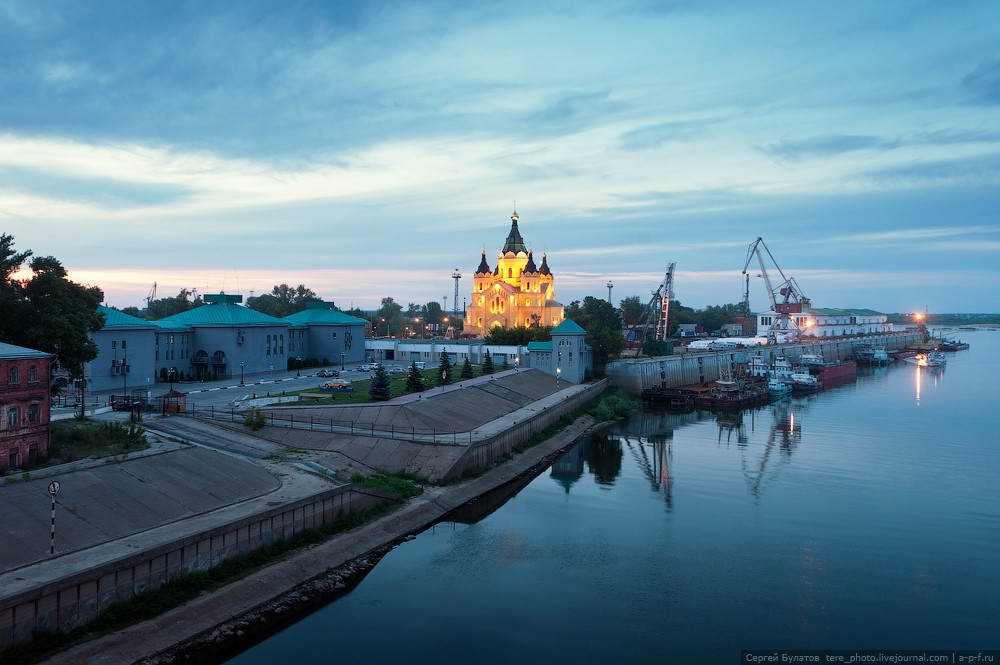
(24, 406)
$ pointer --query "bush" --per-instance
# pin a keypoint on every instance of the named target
(255, 418)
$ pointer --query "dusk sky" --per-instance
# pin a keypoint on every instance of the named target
(368, 149)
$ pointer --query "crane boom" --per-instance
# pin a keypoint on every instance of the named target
(792, 299)
(666, 291)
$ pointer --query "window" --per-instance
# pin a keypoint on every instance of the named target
(268, 345)
(32, 374)
(32, 413)
(12, 377)
(113, 347)
(282, 347)
(510, 272)
(12, 416)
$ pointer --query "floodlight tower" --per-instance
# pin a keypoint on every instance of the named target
(456, 276)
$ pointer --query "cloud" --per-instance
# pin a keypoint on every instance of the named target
(828, 145)
(983, 82)
(974, 169)
(654, 136)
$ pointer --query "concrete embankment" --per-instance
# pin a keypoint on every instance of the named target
(638, 374)
(248, 605)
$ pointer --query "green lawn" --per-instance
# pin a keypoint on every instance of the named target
(397, 387)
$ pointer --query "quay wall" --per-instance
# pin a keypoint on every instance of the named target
(78, 597)
(638, 374)
(487, 452)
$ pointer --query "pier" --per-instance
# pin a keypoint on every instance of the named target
(638, 374)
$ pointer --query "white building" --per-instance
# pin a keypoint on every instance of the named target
(828, 322)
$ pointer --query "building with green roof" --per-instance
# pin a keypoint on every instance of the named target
(220, 339)
(566, 356)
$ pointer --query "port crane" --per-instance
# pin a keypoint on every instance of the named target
(786, 299)
(665, 292)
(654, 314)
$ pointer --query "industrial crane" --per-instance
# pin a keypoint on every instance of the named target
(783, 327)
(665, 292)
(654, 314)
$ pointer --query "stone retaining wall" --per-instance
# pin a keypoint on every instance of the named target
(488, 451)
(64, 603)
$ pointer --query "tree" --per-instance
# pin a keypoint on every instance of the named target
(390, 316)
(414, 379)
(283, 300)
(47, 311)
(132, 310)
(518, 336)
(467, 369)
(379, 390)
(488, 364)
(164, 307)
(603, 325)
(714, 317)
(444, 370)
(632, 309)
(432, 312)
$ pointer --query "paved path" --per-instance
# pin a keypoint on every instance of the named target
(145, 640)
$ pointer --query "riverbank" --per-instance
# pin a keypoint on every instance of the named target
(232, 614)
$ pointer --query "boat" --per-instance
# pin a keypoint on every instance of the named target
(811, 360)
(929, 359)
(952, 345)
(777, 389)
(803, 383)
(936, 359)
(869, 354)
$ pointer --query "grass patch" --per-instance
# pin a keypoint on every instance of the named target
(397, 387)
(76, 439)
(406, 485)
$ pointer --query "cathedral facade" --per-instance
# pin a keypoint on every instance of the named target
(514, 293)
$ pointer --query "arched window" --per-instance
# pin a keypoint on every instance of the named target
(268, 345)
(510, 272)
(281, 352)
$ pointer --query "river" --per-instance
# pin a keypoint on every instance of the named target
(864, 517)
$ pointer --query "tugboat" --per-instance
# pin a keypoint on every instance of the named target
(777, 389)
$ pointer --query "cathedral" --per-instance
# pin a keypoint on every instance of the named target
(515, 293)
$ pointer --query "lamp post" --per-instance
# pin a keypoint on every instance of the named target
(416, 326)
(609, 290)
(241, 372)
(342, 360)
(558, 376)
(386, 328)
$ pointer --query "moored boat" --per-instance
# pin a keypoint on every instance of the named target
(777, 389)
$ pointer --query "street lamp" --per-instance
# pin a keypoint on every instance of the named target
(416, 326)
(558, 376)
(241, 372)
(386, 328)
(342, 361)
(609, 291)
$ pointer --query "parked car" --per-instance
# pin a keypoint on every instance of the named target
(328, 373)
(396, 369)
(365, 367)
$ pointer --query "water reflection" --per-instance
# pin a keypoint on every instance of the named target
(934, 375)
(784, 436)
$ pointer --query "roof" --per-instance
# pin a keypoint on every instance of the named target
(484, 267)
(540, 346)
(11, 351)
(830, 311)
(530, 266)
(223, 314)
(544, 268)
(114, 318)
(515, 243)
(329, 316)
(568, 327)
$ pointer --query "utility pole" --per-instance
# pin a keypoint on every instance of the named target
(456, 276)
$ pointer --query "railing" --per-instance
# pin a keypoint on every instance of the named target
(313, 424)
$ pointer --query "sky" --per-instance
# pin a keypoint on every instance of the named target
(370, 149)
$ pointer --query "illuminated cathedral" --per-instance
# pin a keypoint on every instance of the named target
(515, 293)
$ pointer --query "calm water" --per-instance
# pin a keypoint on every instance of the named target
(863, 517)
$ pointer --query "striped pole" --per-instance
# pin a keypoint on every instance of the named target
(53, 490)
(52, 531)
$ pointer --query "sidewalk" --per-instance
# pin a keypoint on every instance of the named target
(202, 615)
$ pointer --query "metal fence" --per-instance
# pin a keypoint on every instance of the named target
(314, 424)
